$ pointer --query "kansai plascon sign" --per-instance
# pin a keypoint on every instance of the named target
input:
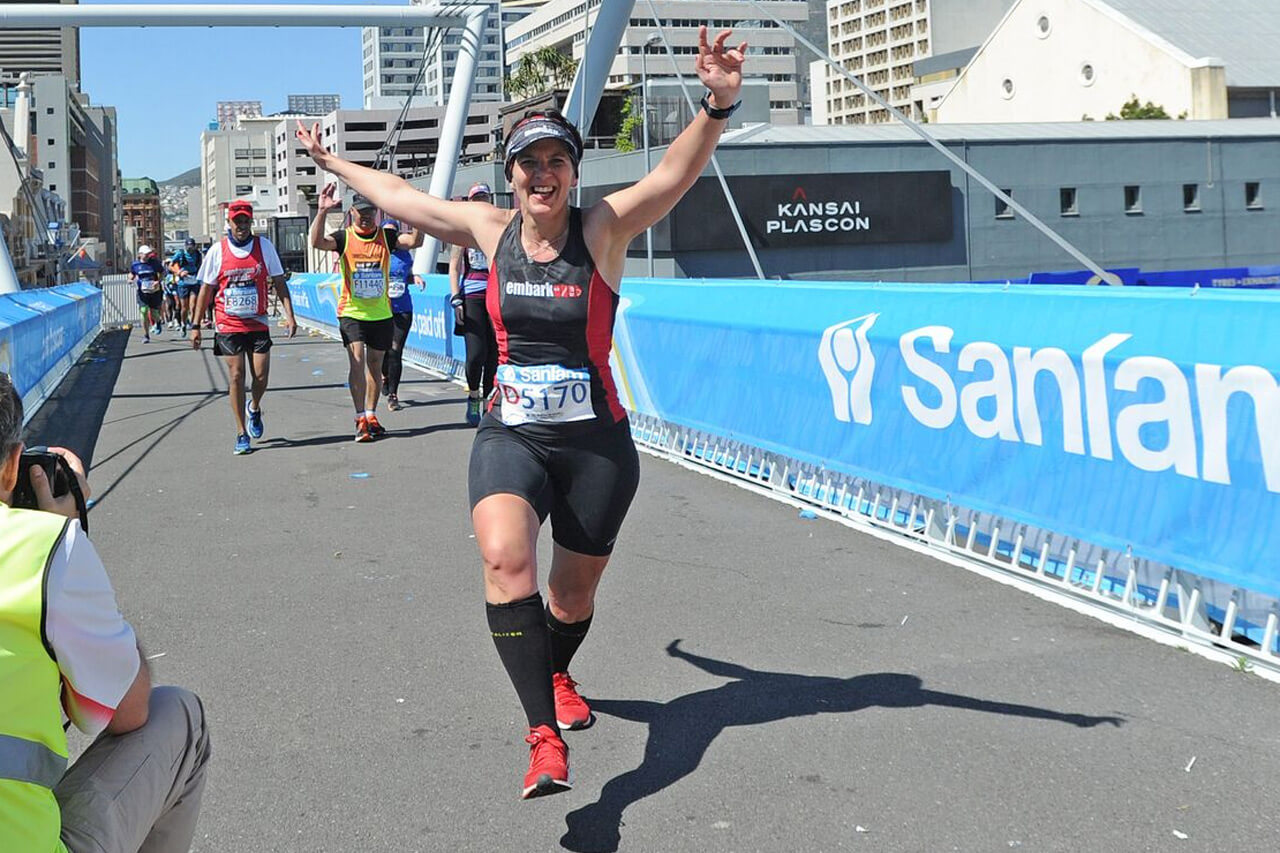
(791, 211)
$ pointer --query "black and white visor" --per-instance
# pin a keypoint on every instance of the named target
(535, 129)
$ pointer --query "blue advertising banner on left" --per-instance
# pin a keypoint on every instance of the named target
(42, 330)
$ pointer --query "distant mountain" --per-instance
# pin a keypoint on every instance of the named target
(189, 178)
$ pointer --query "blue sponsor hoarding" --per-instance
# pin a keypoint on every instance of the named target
(1122, 416)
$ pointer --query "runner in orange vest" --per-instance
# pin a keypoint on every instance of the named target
(364, 306)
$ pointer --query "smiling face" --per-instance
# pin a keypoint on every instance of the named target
(542, 176)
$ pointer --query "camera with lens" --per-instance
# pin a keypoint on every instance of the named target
(62, 480)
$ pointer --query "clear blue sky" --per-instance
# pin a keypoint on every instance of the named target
(165, 82)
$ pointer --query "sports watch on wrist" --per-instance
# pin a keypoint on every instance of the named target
(716, 112)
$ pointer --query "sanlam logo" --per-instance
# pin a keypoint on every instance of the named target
(849, 365)
(991, 390)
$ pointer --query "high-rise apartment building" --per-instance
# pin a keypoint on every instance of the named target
(393, 58)
(54, 50)
(880, 41)
(314, 105)
(561, 24)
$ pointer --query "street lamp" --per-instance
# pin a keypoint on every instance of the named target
(652, 40)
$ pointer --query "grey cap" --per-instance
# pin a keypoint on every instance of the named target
(361, 202)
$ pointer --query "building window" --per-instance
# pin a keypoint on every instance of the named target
(1006, 88)
(1067, 202)
(1133, 199)
(1003, 211)
(1191, 198)
(1087, 74)
(1253, 195)
(1043, 26)
(48, 111)
(50, 142)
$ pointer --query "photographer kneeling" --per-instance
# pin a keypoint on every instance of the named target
(138, 785)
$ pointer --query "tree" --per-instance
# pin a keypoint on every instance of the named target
(632, 125)
(1133, 109)
(540, 71)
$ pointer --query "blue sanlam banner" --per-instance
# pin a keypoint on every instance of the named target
(39, 328)
(1123, 416)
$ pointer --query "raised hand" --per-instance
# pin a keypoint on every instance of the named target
(328, 198)
(720, 68)
(310, 140)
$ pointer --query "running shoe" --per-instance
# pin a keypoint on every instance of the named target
(242, 444)
(375, 429)
(473, 411)
(548, 764)
(362, 430)
(572, 712)
(254, 418)
(393, 403)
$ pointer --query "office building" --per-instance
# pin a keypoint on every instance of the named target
(53, 50)
(881, 41)
(561, 24)
(393, 60)
(140, 198)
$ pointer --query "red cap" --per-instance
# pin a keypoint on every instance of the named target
(239, 207)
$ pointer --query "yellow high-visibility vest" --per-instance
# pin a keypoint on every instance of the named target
(33, 746)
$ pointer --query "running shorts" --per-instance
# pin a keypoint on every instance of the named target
(584, 480)
(376, 334)
(154, 301)
(235, 343)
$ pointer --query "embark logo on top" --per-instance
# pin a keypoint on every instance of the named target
(1142, 408)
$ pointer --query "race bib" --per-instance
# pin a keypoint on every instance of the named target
(367, 281)
(396, 288)
(543, 394)
(476, 260)
(240, 301)
(149, 285)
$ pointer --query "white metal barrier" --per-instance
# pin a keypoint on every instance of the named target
(119, 301)
(1156, 601)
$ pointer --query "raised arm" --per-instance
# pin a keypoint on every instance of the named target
(620, 216)
(326, 202)
(452, 222)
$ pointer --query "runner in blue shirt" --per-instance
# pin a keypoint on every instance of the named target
(145, 273)
(401, 276)
(185, 265)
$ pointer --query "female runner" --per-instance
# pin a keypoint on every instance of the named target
(555, 440)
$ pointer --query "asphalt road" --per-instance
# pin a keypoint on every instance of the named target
(762, 682)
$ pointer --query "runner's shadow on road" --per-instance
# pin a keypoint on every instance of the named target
(681, 730)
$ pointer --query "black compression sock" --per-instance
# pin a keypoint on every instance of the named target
(520, 634)
(565, 639)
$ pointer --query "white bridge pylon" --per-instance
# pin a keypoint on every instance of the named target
(469, 18)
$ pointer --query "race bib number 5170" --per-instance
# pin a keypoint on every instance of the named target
(544, 393)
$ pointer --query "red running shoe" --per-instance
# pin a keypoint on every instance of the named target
(572, 712)
(375, 429)
(548, 764)
(362, 430)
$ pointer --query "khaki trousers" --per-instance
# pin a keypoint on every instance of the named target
(139, 791)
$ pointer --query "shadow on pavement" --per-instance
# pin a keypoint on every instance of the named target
(681, 731)
(73, 415)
